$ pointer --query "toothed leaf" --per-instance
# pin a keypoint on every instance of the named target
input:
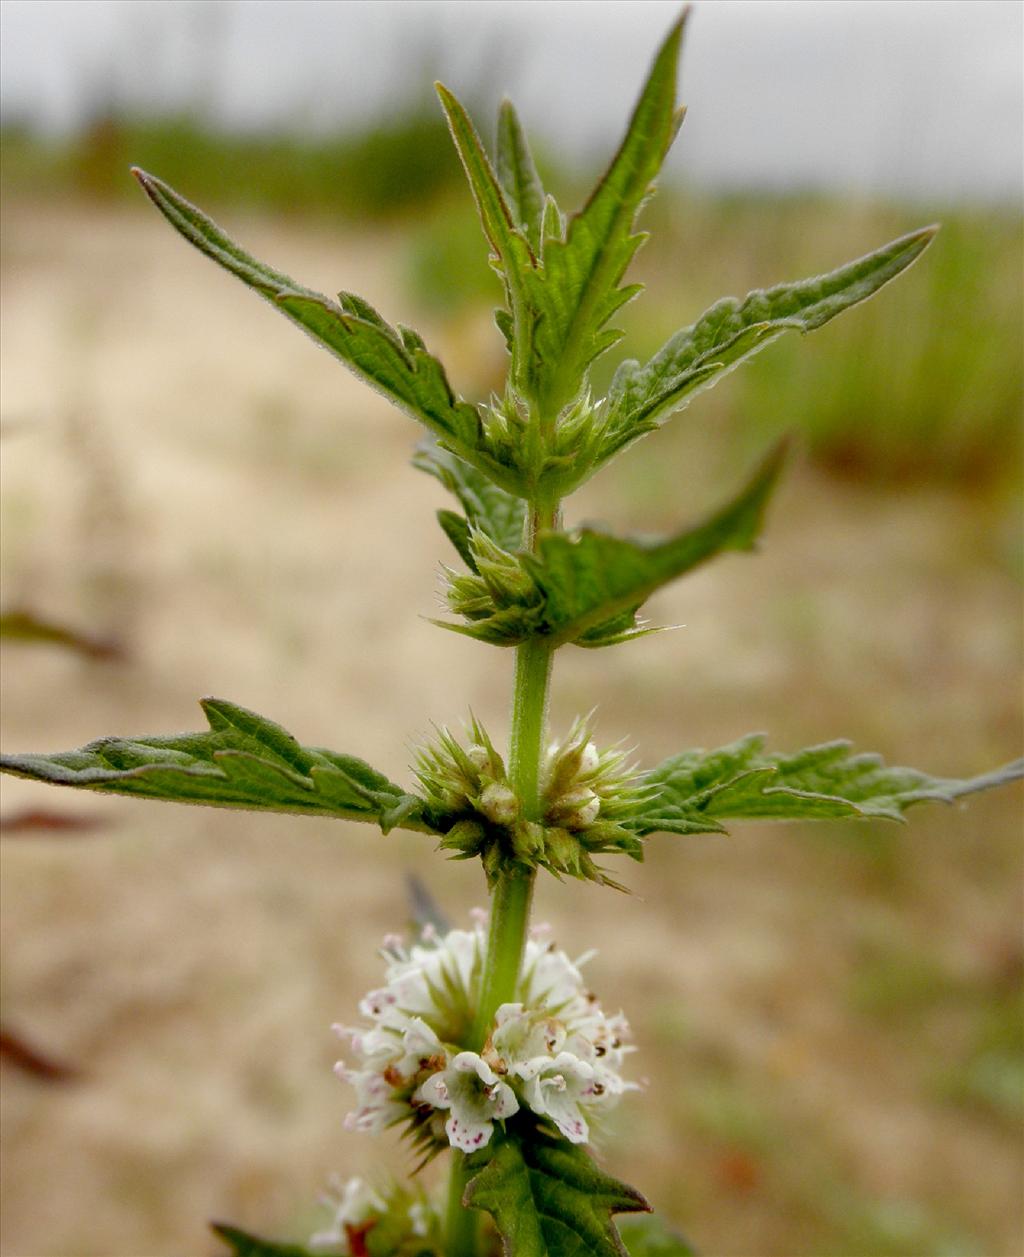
(587, 587)
(641, 397)
(581, 275)
(243, 761)
(394, 361)
(518, 176)
(513, 258)
(694, 792)
(549, 1199)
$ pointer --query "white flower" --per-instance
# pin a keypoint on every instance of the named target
(375, 1105)
(558, 1087)
(553, 1050)
(358, 1204)
(475, 1095)
(521, 1035)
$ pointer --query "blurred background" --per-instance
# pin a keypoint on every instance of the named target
(197, 501)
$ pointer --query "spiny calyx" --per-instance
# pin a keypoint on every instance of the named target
(587, 798)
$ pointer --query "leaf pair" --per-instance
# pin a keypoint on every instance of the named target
(587, 587)
(246, 761)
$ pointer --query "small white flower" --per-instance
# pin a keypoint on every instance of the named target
(476, 1097)
(357, 1204)
(375, 1108)
(558, 1088)
(520, 1035)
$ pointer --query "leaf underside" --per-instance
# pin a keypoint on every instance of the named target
(549, 1199)
(242, 761)
(694, 792)
(586, 588)
(488, 508)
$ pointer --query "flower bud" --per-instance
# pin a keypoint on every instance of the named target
(479, 757)
(465, 836)
(576, 809)
(499, 803)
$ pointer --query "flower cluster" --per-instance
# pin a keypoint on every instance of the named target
(587, 800)
(357, 1208)
(553, 1051)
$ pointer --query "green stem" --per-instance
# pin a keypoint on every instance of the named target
(463, 1226)
(512, 894)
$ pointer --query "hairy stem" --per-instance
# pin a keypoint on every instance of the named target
(512, 894)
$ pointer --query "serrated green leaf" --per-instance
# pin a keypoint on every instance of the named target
(394, 361)
(562, 282)
(549, 1199)
(513, 258)
(650, 1237)
(641, 397)
(694, 792)
(243, 761)
(585, 586)
(518, 176)
(499, 515)
(242, 1244)
(581, 274)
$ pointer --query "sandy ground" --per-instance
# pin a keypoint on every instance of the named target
(181, 468)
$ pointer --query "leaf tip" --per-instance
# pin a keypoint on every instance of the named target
(145, 181)
(675, 32)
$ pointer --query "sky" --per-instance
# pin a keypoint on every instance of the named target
(913, 99)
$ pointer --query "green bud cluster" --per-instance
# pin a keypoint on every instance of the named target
(587, 800)
(499, 589)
